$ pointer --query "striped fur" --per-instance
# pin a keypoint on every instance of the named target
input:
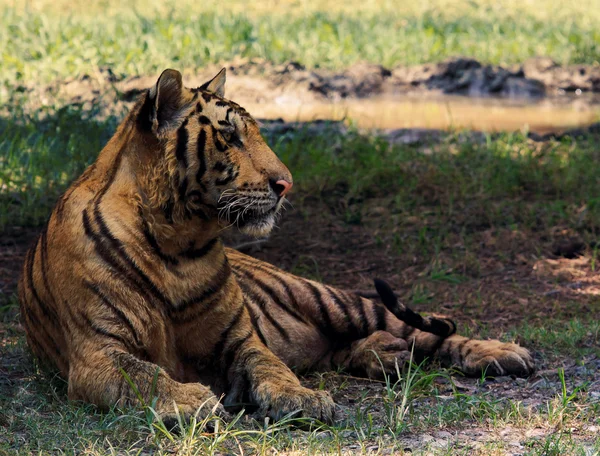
(130, 276)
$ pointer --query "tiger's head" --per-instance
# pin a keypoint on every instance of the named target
(216, 163)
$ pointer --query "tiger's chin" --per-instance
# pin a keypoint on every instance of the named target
(261, 224)
(256, 223)
(259, 228)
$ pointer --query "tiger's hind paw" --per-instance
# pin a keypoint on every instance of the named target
(495, 358)
(380, 353)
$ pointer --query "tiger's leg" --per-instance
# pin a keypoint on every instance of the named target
(436, 335)
(274, 387)
(492, 357)
(249, 366)
(471, 356)
(379, 353)
(395, 342)
(96, 376)
(338, 316)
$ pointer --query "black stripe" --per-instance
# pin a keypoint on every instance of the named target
(220, 345)
(327, 327)
(44, 265)
(272, 294)
(221, 146)
(206, 95)
(103, 332)
(200, 147)
(379, 311)
(255, 323)
(153, 243)
(272, 272)
(198, 105)
(215, 285)
(168, 208)
(232, 350)
(339, 302)
(262, 305)
(36, 328)
(219, 167)
(204, 120)
(183, 188)
(195, 254)
(231, 174)
(222, 103)
(182, 141)
(47, 311)
(107, 256)
(39, 326)
(360, 305)
(119, 313)
(119, 248)
(40, 350)
(193, 314)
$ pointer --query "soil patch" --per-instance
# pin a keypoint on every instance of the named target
(458, 93)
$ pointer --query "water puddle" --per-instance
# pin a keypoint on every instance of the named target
(442, 113)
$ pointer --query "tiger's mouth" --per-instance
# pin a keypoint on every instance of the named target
(255, 217)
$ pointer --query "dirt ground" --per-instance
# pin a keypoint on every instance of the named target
(253, 82)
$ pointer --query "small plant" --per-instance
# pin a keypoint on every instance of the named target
(408, 386)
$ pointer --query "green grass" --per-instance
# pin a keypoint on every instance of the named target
(576, 338)
(36, 418)
(507, 181)
(65, 39)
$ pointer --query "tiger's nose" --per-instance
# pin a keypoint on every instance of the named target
(280, 187)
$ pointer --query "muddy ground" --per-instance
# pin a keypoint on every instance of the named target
(255, 81)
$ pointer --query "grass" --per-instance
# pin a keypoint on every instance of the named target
(44, 40)
(37, 419)
(507, 181)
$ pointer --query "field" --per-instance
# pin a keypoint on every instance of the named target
(497, 230)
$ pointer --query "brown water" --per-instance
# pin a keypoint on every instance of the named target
(442, 113)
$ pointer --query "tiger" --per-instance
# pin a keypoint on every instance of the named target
(131, 295)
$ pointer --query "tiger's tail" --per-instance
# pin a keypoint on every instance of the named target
(440, 326)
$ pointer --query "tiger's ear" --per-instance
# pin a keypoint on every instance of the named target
(167, 100)
(216, 85)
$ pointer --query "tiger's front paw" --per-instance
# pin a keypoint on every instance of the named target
(191, 399)
(496, 358)
(277, 400)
